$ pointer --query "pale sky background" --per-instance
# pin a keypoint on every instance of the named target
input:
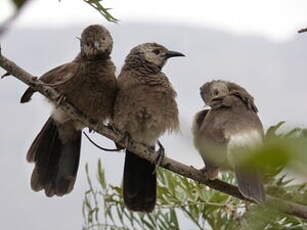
(274, 19)
(269, 59)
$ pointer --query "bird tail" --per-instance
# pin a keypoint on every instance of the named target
(250, 184)
(56, 159)
(140, 183)
(26, 97)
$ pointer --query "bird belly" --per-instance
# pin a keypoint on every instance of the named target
(241, 146)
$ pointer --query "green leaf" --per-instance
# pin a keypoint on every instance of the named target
(271, 132)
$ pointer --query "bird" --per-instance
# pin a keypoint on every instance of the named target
(88, 83)
(225, 134)
(145, 108)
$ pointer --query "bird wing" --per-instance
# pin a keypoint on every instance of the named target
(243, 94)
(56, 76)
(61, 73)
(209, 138)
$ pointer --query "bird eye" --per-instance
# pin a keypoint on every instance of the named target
(216, 92)
(156, 51)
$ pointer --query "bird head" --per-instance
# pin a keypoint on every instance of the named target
(96, 42)
(151, 54)
(212, 90)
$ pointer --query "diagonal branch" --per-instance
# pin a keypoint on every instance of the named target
(141, 150)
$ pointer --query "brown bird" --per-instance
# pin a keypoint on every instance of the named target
(227, 132)
(89, 83)
(145, 108)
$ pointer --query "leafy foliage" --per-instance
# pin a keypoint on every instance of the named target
(101, 9)
(182, 202)
(185, 204)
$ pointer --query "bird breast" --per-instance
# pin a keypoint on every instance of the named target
(146, 112)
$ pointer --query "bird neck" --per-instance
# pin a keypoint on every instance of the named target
(98, 57)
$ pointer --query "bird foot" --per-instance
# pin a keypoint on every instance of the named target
(99, 125)
(161, 152)
(60, 100)
(125, 140)
(204, 172)
(114, 129)
(210, 173)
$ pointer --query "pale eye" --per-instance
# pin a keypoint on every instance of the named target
(156, 51)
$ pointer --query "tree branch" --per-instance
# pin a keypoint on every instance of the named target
(141, 150)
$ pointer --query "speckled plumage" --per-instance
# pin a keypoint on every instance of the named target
(145, 108)
(89, 83)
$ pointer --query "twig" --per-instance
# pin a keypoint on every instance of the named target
(302, 30)
(141, 150)
(102, 10)
(100, 147)
(4, 26)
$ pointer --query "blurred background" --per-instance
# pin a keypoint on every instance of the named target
(253, 43)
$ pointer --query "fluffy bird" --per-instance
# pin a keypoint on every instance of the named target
(144, 109)
(89, 83)
(226, 133)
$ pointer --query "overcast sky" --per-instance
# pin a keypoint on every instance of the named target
(275, 19)
(274, 73)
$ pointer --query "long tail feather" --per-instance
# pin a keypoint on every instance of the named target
(140, 183)
(56, 160)
(26, 97)
(250, 184)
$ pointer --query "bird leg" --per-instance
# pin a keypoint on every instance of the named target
(60, 100)
(124, 139)
(161, 152)
(210, 172)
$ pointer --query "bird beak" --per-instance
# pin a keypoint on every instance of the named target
(170, 54)
(96, 44)
(214, 103)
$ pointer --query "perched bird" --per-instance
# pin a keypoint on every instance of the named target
(226, 133)
(145, 108)
(89, 83)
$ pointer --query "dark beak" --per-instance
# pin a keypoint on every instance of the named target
(214, 103)
(170, 54)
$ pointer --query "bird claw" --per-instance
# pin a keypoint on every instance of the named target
(99, 125)
(60, 100)
(124, 139)
(211, 173)
(204, 171)
(159, 159)
(114, 129)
